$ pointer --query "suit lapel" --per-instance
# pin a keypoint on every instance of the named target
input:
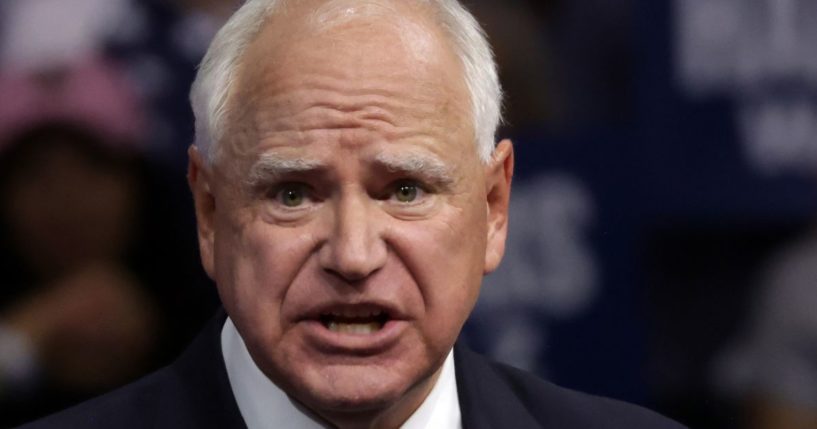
(209, 397)
(486, 399)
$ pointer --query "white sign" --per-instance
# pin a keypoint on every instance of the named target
(763, 53)
(549, 271)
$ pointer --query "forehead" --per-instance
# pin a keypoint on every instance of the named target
(384, 59)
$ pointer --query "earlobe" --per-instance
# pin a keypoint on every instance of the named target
(498, 177)
(199, 180)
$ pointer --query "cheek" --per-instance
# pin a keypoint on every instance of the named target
(255, 265)
(445, 256)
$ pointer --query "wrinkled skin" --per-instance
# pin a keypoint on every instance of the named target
(349, 183)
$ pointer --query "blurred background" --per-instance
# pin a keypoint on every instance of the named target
(663, 241)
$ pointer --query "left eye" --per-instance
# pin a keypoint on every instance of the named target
(406, 192)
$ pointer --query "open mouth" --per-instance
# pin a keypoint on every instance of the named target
(354, 321)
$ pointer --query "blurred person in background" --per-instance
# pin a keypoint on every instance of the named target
(772, 368)
(156, 42)
(76, 171)
(80, 308)
(69, 203)
(523, 48)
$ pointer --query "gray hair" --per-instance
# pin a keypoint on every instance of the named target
(211, 90)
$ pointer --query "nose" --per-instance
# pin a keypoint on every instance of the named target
(354, 248)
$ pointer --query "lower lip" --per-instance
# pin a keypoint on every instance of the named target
(326, 340)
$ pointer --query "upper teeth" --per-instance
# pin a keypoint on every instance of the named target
(355, 313)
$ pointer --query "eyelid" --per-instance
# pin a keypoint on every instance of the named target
(427, 185)
(278, 187)
(429, 182)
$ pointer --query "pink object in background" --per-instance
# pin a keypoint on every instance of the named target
(91, 93)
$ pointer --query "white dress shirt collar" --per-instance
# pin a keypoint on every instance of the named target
(265, 406)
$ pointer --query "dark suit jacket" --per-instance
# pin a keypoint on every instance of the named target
(194, 392)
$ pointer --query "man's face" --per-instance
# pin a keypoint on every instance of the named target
(349, 221)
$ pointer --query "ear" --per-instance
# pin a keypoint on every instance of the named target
(199, 177)
(498, 174)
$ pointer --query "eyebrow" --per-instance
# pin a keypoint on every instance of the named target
(429, 167)
(270, 167)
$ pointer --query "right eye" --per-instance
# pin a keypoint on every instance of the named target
(292, 197)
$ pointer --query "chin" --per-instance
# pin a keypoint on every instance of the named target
(354, 388)
(346, 385)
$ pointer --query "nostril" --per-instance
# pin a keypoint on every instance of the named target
(352, 266)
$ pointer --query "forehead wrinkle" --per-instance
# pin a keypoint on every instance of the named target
(340, 111)
(332, 87)
(316, 107)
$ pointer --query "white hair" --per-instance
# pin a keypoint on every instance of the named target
(211, 90)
